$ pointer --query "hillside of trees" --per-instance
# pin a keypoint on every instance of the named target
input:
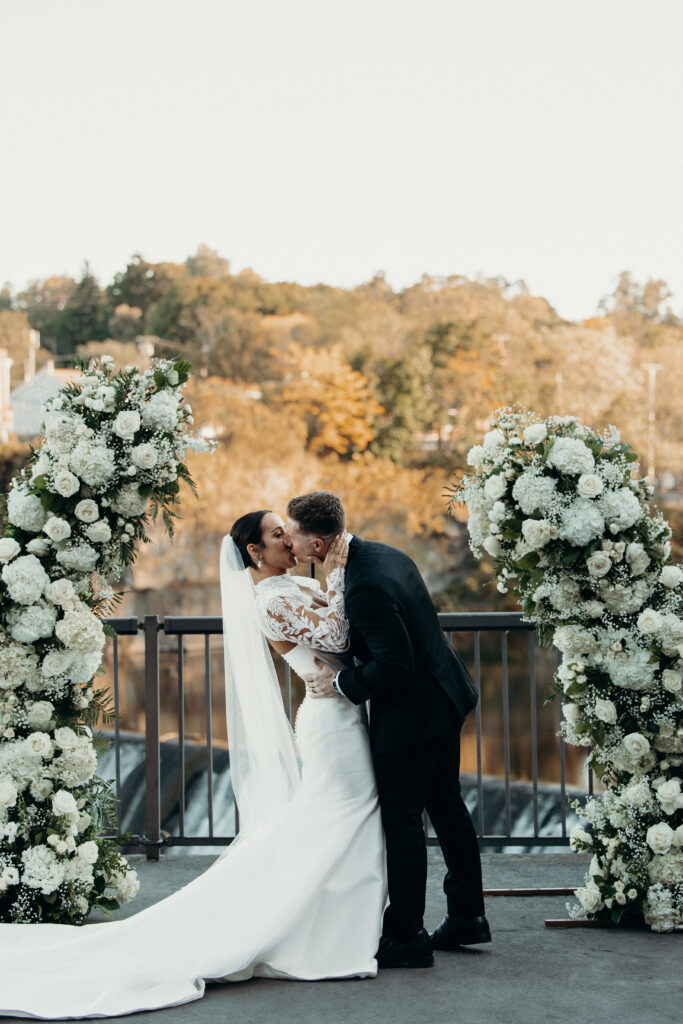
(372, 392)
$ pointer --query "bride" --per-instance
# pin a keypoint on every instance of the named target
(300, 892)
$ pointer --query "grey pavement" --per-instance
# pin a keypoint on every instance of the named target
(529, 973)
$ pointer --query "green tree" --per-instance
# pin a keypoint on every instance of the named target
(85, 316)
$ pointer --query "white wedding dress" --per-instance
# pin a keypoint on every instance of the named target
(299, 895)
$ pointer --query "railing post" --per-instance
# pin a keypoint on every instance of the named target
(152, 835)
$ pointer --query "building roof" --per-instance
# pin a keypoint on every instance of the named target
(28, 399)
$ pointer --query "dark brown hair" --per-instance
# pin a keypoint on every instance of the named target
(319, 513)
(248, 530)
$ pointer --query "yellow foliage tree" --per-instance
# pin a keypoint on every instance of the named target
(335, 402)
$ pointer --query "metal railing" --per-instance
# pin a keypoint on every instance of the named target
(477, 627)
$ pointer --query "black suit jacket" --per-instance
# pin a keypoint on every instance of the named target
(417, 685)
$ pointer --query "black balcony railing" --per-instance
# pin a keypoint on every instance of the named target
(488, 735)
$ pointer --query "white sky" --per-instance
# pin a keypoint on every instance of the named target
(323, 141)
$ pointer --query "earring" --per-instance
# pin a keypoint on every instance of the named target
(259, 563)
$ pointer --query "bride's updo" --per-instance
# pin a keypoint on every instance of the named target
(247, 530)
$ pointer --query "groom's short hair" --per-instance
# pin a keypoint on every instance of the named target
(319, 513)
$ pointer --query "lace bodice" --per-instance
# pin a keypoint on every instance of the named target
(287, 611)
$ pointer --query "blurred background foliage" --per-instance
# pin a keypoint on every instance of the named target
(374, 393)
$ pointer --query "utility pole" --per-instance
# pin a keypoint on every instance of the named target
(652, 369)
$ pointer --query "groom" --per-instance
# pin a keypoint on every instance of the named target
(419, 693)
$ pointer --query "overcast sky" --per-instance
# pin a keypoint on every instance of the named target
(323, 141)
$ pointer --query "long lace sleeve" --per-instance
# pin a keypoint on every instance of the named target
(286, 615)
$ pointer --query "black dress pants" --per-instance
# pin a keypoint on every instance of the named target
(410, 780)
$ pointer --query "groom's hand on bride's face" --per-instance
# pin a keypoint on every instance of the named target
(319, 684)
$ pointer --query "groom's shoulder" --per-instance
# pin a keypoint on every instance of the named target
(370, 556)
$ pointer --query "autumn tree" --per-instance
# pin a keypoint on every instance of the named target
(334, 401)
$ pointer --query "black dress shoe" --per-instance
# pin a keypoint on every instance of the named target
(461, 931)
(416, 952)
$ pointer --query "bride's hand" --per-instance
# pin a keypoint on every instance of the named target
(336, 556)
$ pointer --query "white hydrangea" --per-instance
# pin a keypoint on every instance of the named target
(42, 869)
(534, 492)
(76, 764)
(623, 600)
(129, 502)
(581, 523)
(620, 508)
(161, 411)
(25, 579)
(81, 631)
(34, 622)
(569, 455)
(84, 666)
(94, 463)
(18, 664)
(81, 557)
(60, 432)
(25, 510)
(125, 885)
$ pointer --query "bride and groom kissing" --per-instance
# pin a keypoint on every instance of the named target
(331, 813)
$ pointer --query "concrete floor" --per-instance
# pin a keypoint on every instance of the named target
(528, 974)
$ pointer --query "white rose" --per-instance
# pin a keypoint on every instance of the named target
(8, 792)
(589, 485)
(98, 532)
(637, 558)
(671, 681)
(671, 576)
(536, 532)
(60, 591)
(66, 483)
(39, 714)
(589, 897)
(87, 511)
(599, 563)
(535, 433)
(669, 796)
(649, 621)
(88, 852)
(577, 836)
(572, 713)
(606, 711)
(38, 546)
(476, 456)
(495, 487)
(144, 456)
(636, 745)
(57, 529)
(56, 662)
(677, 838)
(9, 549)
(494, 439)
(493, 546)
(38, 744)
(126, 424)
(66, 738)
(659, 837)
(63, 803)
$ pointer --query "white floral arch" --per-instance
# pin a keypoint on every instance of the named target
(114, 442)
(565, 516)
